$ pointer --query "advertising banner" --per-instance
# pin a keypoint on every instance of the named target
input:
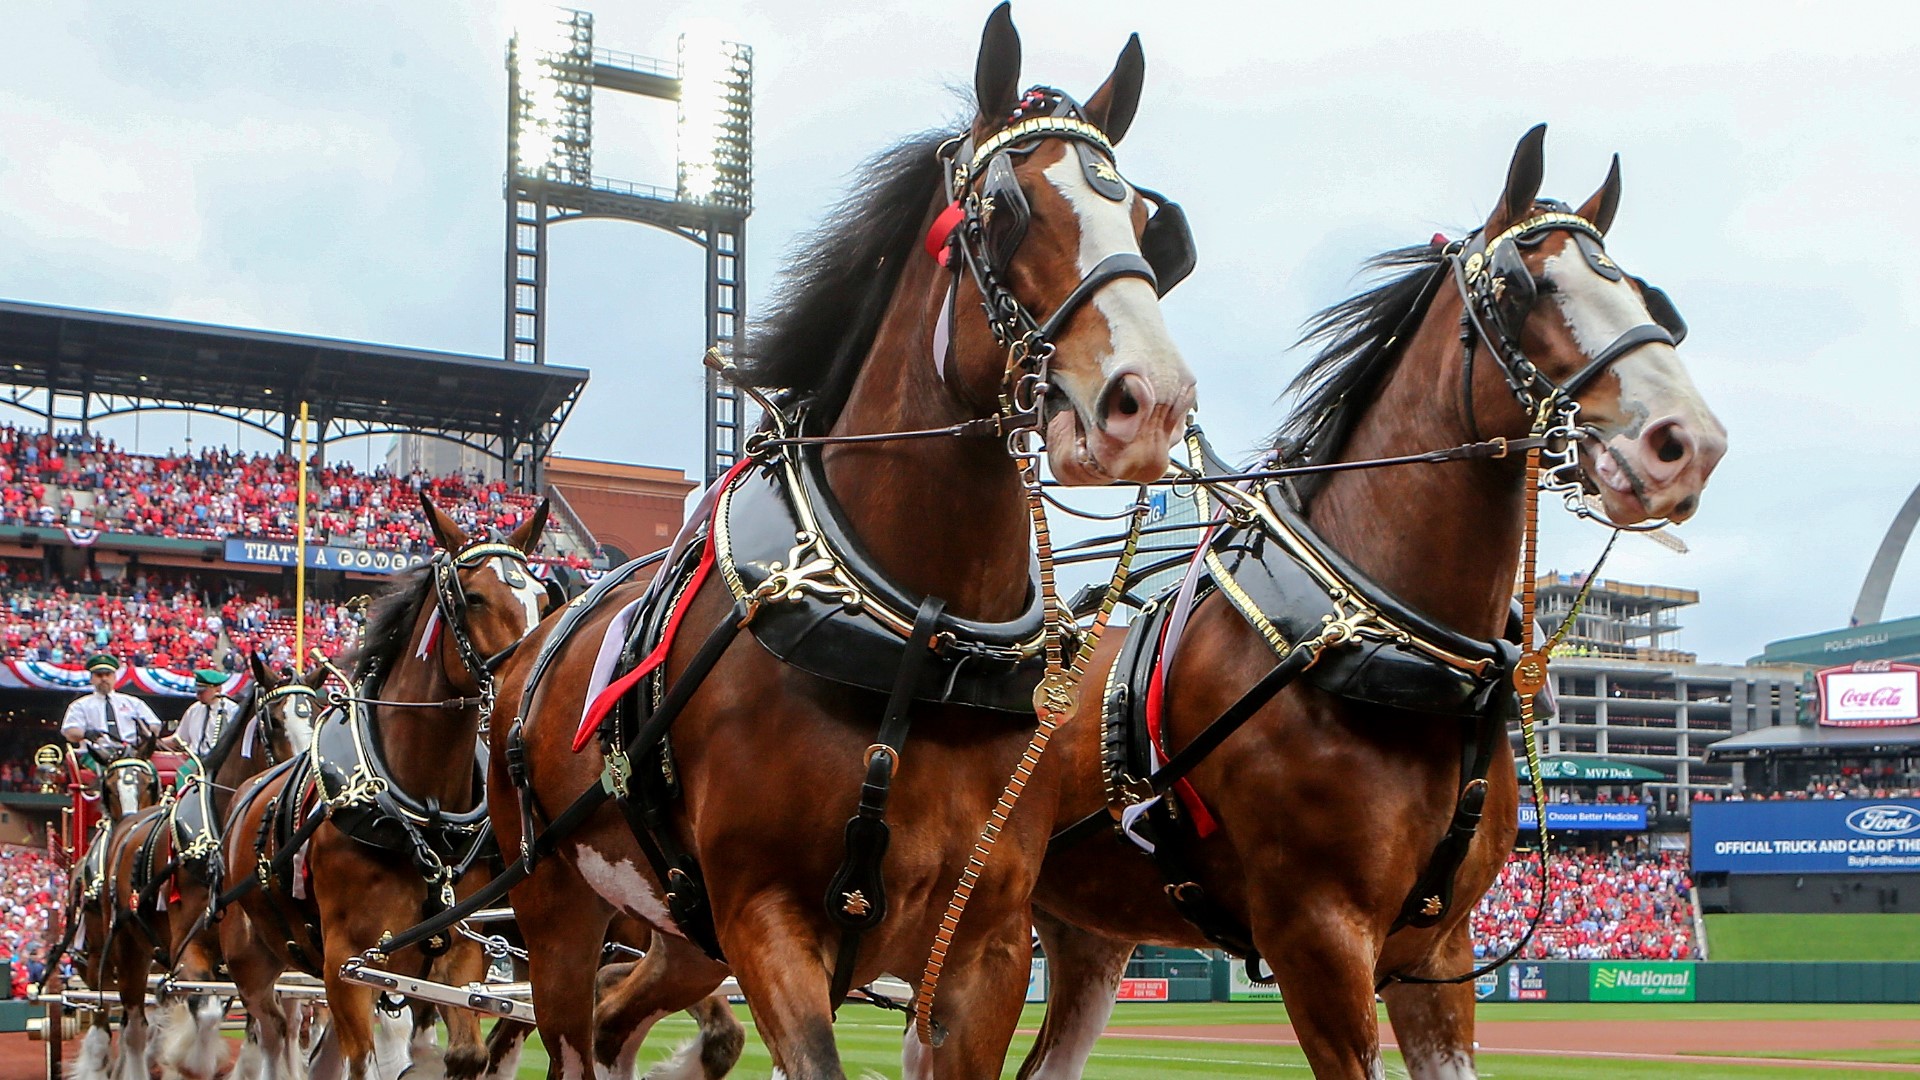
(1142, 990)
(1486, 985)
(1591, 817)
(1241, 988)
(1526, 982)
(1870, 694)
(322, 556)
(1641, 980)
(1817, 836)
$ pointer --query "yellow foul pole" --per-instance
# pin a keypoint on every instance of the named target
(300, 556)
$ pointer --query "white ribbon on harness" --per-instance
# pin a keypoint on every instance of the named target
(1131, 816)
(604, 662)
(430, 635)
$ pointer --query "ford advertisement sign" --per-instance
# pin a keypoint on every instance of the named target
(1834, 836)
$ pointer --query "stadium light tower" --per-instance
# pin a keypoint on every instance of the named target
(553, 70)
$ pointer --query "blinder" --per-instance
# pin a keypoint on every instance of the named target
(1500, 294)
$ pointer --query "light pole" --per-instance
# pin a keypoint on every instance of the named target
(553, 70)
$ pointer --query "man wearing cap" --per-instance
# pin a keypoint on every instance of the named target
(206, 718)
(105, 720)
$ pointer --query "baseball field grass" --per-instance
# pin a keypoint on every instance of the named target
(1814, 937)
(870, 1044)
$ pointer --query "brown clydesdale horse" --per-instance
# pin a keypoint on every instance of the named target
(421, 646)
(129, 787)
(163, 882)
(769, 759)
(1328, 810)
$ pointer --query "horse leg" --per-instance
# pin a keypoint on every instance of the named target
(981, 995)
(131, 962)
(466, 1056)
(1326, 978)
(424, 1058)
(351, 1010)
(1434, 1024)
(785, 977)
(1083, 976)
(191, 1043)
(504, 1044)
(561, 950)
(254, 969)
(674, 975)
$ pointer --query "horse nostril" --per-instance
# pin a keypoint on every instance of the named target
(1126, 404)
(1670, 449)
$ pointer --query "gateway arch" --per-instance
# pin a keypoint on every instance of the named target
(1871, 606)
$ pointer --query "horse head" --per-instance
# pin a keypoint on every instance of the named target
(485, 590)
(1646, 440)
(130, 784)
(1069, 259)
(286, 708)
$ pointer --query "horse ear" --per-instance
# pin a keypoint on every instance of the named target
(1111, 107)
(262, 674)
(446, 532)
(996, 74)
(316, 677)
(1600, 208)
(1523, 178)
(527, 536)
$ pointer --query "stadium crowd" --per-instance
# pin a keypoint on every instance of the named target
(31, 888)
(77, 480)
(162, 619)
(1618, 904)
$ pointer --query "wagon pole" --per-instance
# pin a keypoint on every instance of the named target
(300, 552)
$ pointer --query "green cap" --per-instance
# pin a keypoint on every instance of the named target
(207, 676)
(102, 662)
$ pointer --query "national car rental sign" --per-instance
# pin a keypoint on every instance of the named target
(1873, 693)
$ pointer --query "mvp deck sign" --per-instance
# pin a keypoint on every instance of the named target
(1648, 980)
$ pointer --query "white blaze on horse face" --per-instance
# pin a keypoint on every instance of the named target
(1655, 392)
(529, 593)
(126, 787)
(623, 886)
(1139, 343)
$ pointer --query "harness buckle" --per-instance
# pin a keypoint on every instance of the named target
(613, 775)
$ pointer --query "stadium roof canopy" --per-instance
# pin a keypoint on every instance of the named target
(134, 362)
(1802, 740)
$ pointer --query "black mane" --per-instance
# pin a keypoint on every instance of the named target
(390, 620)
(1339, 382)
(838, 285)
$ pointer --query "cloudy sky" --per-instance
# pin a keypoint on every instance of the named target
(335, 169)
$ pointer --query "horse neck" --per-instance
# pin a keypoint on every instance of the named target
(945, 516)
(1444, 538)
(428, 752)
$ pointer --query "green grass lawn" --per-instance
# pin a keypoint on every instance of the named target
(870, 1044)
(1814, 937)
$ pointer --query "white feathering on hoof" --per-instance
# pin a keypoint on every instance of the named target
(684, 1064)
(391, 1035)
(509, 1066)
(92, 1062)
(206, 1052)
(427, 1060)
(249, 1065)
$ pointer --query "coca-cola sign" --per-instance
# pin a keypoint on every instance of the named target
(1870, 695)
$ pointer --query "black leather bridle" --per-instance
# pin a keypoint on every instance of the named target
(980, 185)
(1499, 292)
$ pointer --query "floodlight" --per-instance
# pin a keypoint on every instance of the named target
(551, 62)
(716, 121)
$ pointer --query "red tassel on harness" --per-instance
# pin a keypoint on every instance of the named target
(602, 704)
(941, 233)
(1203, 822)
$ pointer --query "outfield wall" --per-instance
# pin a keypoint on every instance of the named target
(1646, 981)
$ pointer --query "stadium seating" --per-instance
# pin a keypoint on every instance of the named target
(1618, 905)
